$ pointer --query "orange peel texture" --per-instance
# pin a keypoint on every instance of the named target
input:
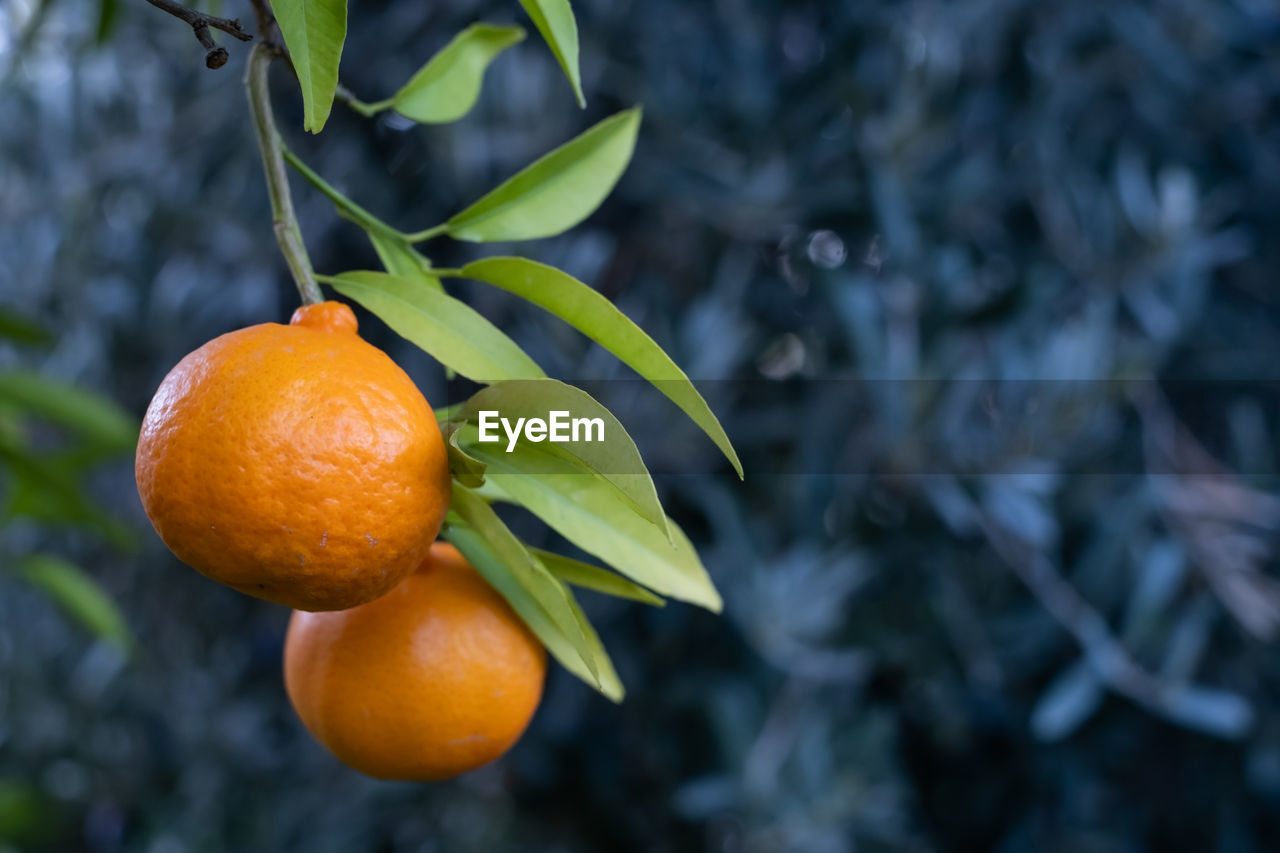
(295, 463)
(436, 678)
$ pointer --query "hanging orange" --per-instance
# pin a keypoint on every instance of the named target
(294, 463)
(436, 678)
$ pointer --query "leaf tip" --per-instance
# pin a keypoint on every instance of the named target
(708, 599)
(315, 124)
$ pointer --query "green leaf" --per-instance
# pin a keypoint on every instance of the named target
(554, 19)
(399, 258)
(589, 512)
(615, 458)
(607, 681)
(598, 319)
(557, 191)
(27, 816)
(108, 15)
(482, 556)
(448, 329)
(23, 331)
(46, 489)
(314, 31)
(78, 595)
(466, 469)
(89, 415)
(534, 580)
(446, 88)
(595, 578)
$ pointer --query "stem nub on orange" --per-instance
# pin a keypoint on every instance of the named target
(294, 463)
(436, 678)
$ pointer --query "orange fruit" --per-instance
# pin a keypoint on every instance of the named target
(437, 677)
(294, 463)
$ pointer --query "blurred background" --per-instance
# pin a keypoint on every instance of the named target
(982, 291)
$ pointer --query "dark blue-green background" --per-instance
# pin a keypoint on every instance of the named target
(984, 293)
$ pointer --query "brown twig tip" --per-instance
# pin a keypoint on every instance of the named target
(215, 57)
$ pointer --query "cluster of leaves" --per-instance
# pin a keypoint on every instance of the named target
(44, 478)
(599, 496)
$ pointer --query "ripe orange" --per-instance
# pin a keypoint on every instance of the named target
(295, 463)
(437, 677)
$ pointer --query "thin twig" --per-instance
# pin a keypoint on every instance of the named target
(215, 56)
(1105, 654)
(266, 22)
(1225, 523)
(230, 26)
(284, 219)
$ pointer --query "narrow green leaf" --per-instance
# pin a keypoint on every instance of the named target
(592, 514)
(89, 415)
(108, 15)
(446, 88)
(595, 578)
(399, 258)
(46, 489)
(21, 330)
(598, 319)
(533, 578)
(28, 815)
(614, 456)
(466, 469)
(557, 191)
(78, 595)
(486, 561)
(314, 31)
(554, 19)
(448, 329)
(447, 413)
(608, 682)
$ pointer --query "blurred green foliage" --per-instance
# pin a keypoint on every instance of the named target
(42, 478)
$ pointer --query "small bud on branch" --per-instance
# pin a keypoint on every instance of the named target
(215, 56)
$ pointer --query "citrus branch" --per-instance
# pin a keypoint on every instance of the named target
(214, 57)
(283, 218)
(266, 22)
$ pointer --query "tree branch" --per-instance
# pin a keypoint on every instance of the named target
(283, 217)
(266, 22)
(1105, 654)
(214, 57)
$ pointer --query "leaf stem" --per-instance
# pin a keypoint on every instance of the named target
(283, 218)
(365, 109)
(346, 206)
(357, 214)
(427, 233)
